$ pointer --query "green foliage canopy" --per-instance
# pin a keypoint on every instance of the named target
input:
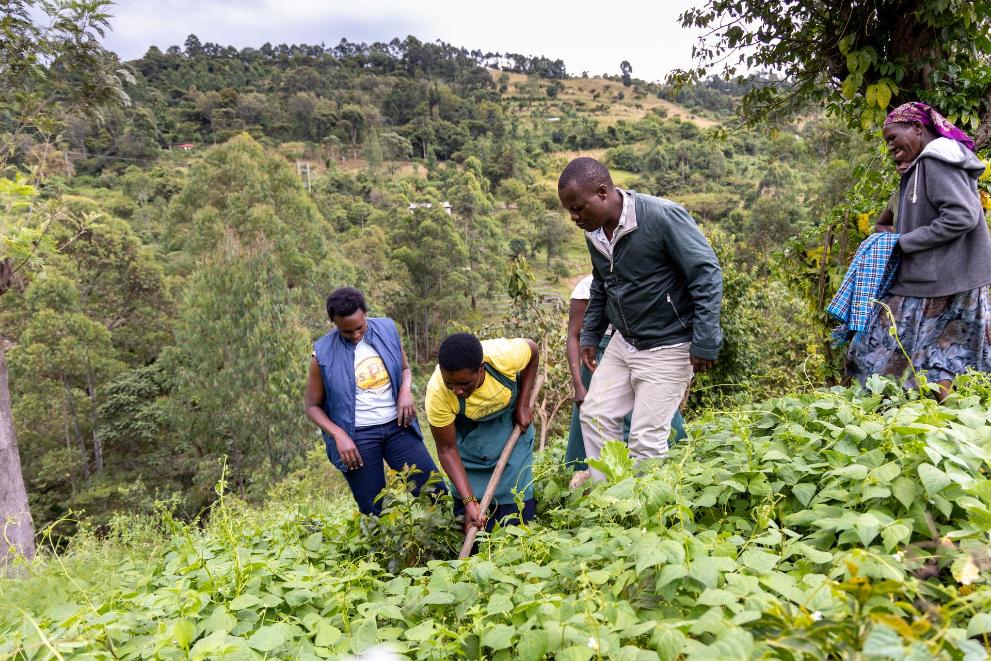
(860, 59)
(54, 69)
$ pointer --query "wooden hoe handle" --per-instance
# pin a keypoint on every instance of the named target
(497, 473)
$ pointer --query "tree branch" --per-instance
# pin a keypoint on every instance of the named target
(982, 136)
(6, 275)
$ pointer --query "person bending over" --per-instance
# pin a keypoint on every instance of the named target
(657, 281)
(476, 395)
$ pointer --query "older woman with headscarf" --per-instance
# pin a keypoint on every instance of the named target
(939, 302)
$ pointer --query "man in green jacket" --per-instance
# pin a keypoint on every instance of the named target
(656, 279)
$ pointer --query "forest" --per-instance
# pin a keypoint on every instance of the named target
(170, 227)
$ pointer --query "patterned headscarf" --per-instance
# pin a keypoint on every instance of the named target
(915, 111)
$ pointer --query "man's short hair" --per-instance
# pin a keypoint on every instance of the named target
(586, 173)
(344, 302)
(460, 351)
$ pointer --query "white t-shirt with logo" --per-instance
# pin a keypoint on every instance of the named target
(373, 402)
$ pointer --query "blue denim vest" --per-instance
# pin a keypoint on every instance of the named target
(335, 355)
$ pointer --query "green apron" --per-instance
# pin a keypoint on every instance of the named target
(480, 443)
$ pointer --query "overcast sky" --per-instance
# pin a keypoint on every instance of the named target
(588, 36)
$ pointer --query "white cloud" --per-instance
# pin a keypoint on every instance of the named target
(588, 36)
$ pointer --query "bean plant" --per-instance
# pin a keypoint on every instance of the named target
(845, 523)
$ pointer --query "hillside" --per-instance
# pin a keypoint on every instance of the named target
(171, 226)
(304, 168)
(608, 101)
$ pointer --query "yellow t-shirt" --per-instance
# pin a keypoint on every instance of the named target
(506, 356)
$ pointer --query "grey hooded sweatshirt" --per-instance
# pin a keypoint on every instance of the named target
(946, 248)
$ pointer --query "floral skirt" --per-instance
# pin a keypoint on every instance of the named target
(944, 337)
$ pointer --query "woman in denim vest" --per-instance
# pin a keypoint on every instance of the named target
(359, 394)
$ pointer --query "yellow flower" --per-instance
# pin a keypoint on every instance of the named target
(864, 223)
(815, 254)
(985, 200)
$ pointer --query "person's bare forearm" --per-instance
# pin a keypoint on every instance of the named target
(407, 381)
(576, 314)
(320, 419)
(450, 459)
(313, 396)
(575, 361)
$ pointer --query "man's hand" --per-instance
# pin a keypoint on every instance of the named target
(580, 392)
(348, 451)
(522, 415)
(701, 364)
(474, 517)
(588, 358)
(406, 407)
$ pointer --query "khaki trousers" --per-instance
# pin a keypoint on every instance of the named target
(651, 384)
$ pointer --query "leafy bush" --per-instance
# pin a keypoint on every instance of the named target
(560, 268)
(411, 529)
(625, 157)
(517, 247)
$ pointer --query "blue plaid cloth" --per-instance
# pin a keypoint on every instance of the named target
(870, 275)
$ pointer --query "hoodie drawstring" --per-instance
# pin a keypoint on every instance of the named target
(915, 185)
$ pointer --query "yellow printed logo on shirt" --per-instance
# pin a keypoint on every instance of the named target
(370, 374)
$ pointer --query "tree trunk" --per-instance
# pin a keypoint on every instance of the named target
(982, 136)
(6, 274)
(68, 446)
(74, 416)
(544, 422)
(547, 419)
(15, 515)
(416, 338)
(426, 332)
(97, 441)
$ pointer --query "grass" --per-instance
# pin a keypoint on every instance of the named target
(630, 108)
